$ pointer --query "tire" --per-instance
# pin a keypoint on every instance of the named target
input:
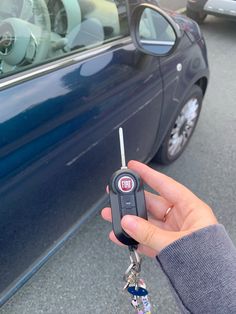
(198, 16)
(182, 128)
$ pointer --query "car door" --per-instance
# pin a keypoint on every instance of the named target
(70, 76)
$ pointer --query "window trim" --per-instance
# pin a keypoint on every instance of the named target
(40, 70)
(74, 57)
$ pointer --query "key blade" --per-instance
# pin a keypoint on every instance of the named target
(126, 286)
(122, 149)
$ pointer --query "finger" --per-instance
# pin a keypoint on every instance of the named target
(142, 249)
(170, 189)
(113, 238)
(106, 214)
(156, 205)
(146, 233)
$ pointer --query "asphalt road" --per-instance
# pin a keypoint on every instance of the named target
(173, 5)
(85, 276)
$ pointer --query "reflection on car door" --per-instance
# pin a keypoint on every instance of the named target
(59, 145)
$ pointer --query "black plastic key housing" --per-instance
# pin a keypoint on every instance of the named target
(126, 198)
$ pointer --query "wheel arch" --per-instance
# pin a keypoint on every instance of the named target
(198, 89)
(201, 79)
(202, 83)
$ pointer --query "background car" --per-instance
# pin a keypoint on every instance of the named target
(198, 9)
(72, 72)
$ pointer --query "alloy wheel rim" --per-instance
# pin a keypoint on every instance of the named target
(184, 126)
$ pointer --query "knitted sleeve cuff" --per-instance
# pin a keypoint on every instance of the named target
(201, 269)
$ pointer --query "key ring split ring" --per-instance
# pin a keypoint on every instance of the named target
(167, 213)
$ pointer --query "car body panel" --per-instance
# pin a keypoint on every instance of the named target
(59, 144)
(59, 139)
(182, 70)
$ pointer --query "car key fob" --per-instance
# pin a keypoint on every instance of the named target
(126, 197)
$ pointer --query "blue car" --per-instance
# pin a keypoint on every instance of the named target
(71, 73)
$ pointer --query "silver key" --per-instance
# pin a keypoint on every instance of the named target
(136, 286)
(131, 275)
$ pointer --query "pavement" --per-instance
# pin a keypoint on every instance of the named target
(85, 276)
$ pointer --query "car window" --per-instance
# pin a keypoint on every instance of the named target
(155, 27)
(33, 32)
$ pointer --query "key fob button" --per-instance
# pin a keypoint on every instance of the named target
(127, 201)
(129, 211)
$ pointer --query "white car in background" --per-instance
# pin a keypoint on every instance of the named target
(198, 9)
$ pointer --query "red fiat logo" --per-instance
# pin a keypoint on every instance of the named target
(126, 184)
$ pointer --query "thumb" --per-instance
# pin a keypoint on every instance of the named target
(148, 234)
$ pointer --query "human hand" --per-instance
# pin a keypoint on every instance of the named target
(187, 215)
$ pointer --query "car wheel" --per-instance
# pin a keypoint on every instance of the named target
(197, 16)
(182, 128)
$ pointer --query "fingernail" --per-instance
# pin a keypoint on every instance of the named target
(130, 162)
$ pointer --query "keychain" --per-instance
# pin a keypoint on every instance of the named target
(136, 286)
(127, 198)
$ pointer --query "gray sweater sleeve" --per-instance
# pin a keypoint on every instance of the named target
(201, 269)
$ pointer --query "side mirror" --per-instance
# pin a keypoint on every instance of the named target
(153, 31)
